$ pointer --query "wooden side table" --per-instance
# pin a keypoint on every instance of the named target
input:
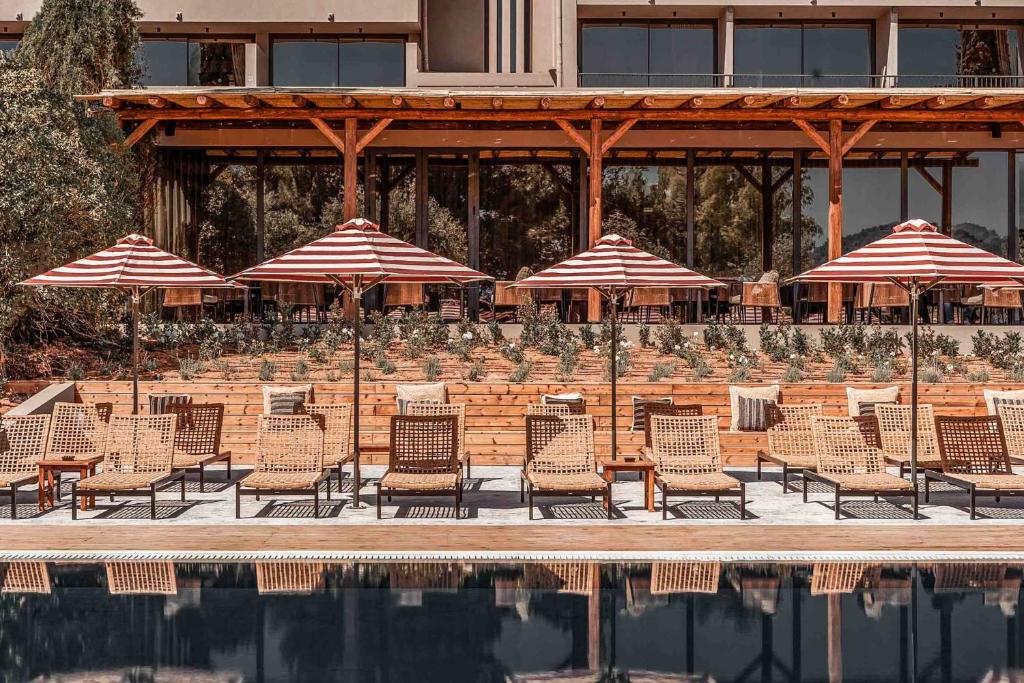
(632, 463)
(47, 486)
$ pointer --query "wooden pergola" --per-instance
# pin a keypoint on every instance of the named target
(594, 123)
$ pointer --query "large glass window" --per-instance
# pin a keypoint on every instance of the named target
(951, 55)
(980, 201)
(180, 61)
(338, 62)
(641, 54)
(794, 54)
(647, 204)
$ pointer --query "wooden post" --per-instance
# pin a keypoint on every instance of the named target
(947, 197)
(370, 185)
(798, 211)
(261, 214)
(473, 229)
(594, 619)
(904, 187)
(767, 214)
(1012, 238)
(835, 213)
(422, 209)
(835, 638)
(583, 204)
(385, 194)
(594, 213)
(691, 198)
(351, 171)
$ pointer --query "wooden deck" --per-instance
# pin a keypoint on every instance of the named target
(540, 538)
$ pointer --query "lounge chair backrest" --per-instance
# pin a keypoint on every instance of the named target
(289, 443)
(556, 409)
(685, 445)
(77, 431)
(140, 443)
(651, 409)
(456, 410)
(1012, 417)
(894, 430)
(841, 447)
(105, 410)
(868, 426)
(198, 427)
(25, 442)
(337, 429)
(560, 445)
(972, 445)
(424, 444)
(789, 429)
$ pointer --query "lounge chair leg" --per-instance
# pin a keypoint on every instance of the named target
(876, 497)
(469, 470)
(74, 500)
(743, 501)
(328, 480)
(14, 502)
(608, 500)
(915, 504)
(152, 501)
(316, 500)
(522, 491)
(717, 499)
(997, 500)
(759, 468)
(837, 502)
(785, 479)
(202, 479)
(664, 504)
(183, 486)
(458, 500)
(531, 501)
(378, 499)
(229, 468)
(927, 491)
(974, 504)
(340, 472)
(805, 487)
(238, 500)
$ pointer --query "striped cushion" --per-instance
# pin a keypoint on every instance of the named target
(158, 402)
(403, 404)
(996, 402)
(868, 407)
(640, 409)
(577, 404)
(287, 404)
(752, 414)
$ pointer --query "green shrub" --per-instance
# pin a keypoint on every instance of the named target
(931, 376)
(740, 374)
(494, 329)
(645, 335)
(568, 360)
(521, 373)
(669, 337)
(345, 367)
(227, 371)
(931, 343)
(660, 371)
(384, 364)
(836, 375)
(475, 372)
(701, 369)
(882, 372)
(587, 337)
(978, 376)
(529, 318)
(843, 340)
(74, 373)
(511, 351)
(189, 367)
(793, 375)
(301, 371)
(432, 368)
(268, 369)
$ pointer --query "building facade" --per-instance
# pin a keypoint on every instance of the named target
(735, 139)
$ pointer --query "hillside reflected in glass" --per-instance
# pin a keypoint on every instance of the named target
(662, 621)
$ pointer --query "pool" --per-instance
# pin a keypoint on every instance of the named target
(481, 622)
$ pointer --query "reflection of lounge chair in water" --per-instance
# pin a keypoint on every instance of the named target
(894, 591)
(141, 578)
(409, 580)
(579, 578)
(758, 586)
(25, 577)
(837, 578)
(997, 588)
(684, 577)
(293, 578)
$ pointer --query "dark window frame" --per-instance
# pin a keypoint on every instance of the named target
(802, 24)
(337, 38)
(697, 22)
(188, 38)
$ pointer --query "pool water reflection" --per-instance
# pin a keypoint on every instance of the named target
(568, 621)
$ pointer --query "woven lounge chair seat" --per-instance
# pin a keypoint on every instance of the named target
(442, 481)
(183, 460)
(711, 481)
(9, 478)
(113, 481)
(577, 481)
(876, 481)
(280, 480)
(797, 461)
(922, 463)
(997, 482)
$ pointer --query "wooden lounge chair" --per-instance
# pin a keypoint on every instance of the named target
(424, 459)
(141, 578)
(25, 577)
(23, 446)
(289, 460)
(651, 409)
(560, 460)
(139, 459)
(1012, 417)
(337, 421)
(197, 438)
(790, 439)
(851, 465)
(975, 458)
(78, 431)
(668, 578)
(556, 409)
(456, 410)
(289, 578)
(688, 460)
(894, 431)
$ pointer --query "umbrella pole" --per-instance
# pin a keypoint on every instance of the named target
(135, 350)
(914, 295)
(613, 296)
(357, 297)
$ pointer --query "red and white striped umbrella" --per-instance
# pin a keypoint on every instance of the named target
(359, 250)
(132, 262)
(916, 250)
(614, 262)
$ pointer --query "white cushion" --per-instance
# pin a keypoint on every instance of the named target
(854, 397)
(268, 391)
(770, 392)
(992, 394)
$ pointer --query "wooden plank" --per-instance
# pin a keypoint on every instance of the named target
(856, 135)
(594, 192)
(140, 132)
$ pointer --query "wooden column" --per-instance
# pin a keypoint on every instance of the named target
(767, 214)
(835, 638)
(798, 211)
(385, 193)
(1012, 237)
(422, 208)
(904, 187)
(371, 181)
(947, 197)
(582, 204)
(261, 214)
(691, 198)
(594, 212)
(473, 229)
(351, 172)
(835, 213)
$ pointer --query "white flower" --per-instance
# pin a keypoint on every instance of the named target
(744, 360)
(792, 356)
(467, 336)
(676, 347)
(597, 349)
(732, 357)
(686, 345)
(935, 353)
(949, 368)
(696, 333)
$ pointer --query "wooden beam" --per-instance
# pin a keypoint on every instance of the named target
(617, 135)
(449, 103)
(370, 135)
(140, 132)
(252, 101)
(158, 102)
(574, 135)
(894, 102)
(814, 135)
(856, 135)
(350, 168)
(302, 102)
(564, 185)
(329, 133)
(747, 175)
(111, 103)
(930, 179)
(781, 180)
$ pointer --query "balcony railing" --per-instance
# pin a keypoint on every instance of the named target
(588, 79)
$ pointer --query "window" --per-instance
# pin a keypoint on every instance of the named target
(980, 201)
(795, 54)
(181, 61)
(8, 44)
(338, 62)
(641, 55)
(457, 35)
(956, 55)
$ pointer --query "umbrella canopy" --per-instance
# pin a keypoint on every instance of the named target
(917, 251)
(359, 252)
(357, 256)
(613, 266)
(132, 262)
(131, 265)
(614, 262)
